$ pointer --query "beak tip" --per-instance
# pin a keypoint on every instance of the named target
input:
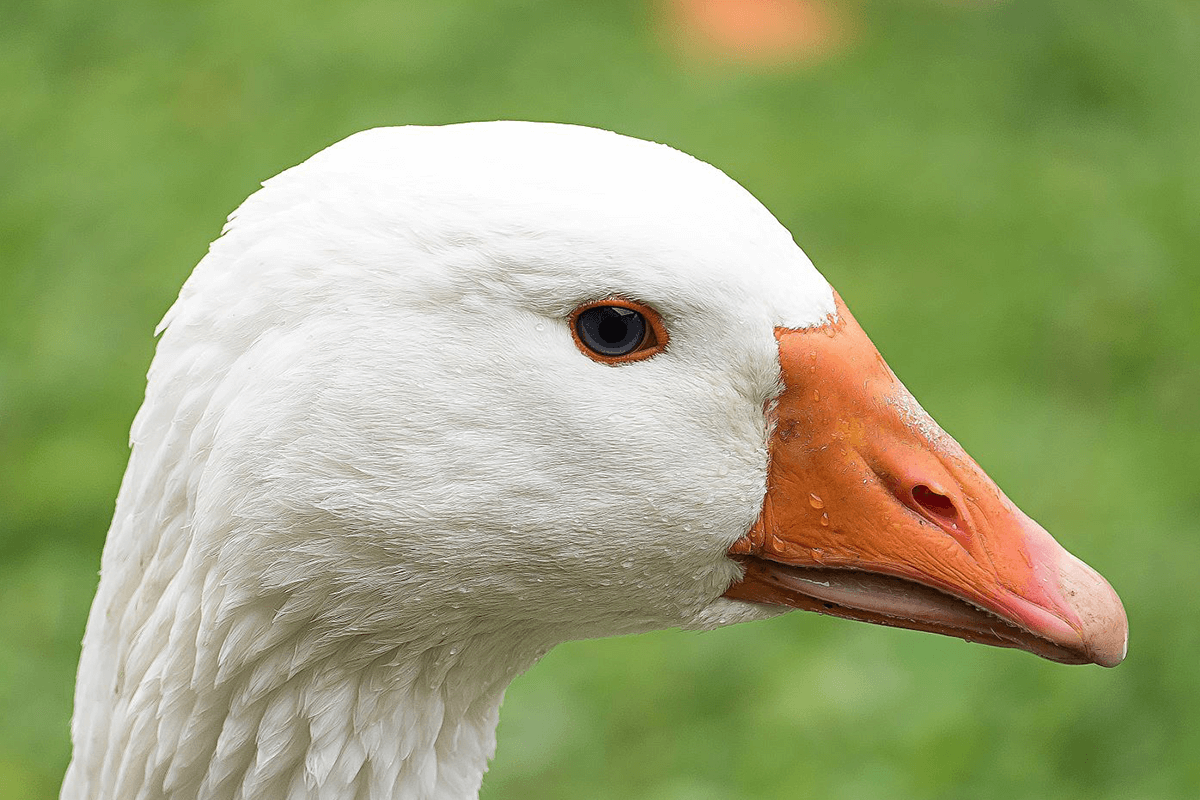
(1104, 626)
(1108, 636)
(1109, 647)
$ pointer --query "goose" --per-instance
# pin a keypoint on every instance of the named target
(440, 398)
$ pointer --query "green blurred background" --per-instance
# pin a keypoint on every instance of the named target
(1005, 194)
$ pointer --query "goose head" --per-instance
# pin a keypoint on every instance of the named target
(412, 425)
(441, 398)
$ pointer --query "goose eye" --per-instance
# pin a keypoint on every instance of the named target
(616, 330)
(611, 330)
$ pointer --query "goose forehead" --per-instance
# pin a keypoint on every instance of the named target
(559, 213)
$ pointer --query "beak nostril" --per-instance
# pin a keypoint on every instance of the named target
(935, 503)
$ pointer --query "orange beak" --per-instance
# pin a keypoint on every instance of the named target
(874, 513)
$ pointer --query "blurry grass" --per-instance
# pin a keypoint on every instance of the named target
(1006, 195)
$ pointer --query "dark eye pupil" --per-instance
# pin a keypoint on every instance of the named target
(611, 330)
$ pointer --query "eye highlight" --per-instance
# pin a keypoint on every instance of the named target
(615, 330)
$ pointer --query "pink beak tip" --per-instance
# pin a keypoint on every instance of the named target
(1103, 625)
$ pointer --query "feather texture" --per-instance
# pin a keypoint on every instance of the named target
(373, 479)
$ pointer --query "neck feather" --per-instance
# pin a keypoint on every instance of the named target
(195, 685)
(267, 708)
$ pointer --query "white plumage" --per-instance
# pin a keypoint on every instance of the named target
(373, 479)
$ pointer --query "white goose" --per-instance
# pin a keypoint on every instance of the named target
(441, 398)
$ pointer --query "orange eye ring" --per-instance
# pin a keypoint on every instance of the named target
(652, 342)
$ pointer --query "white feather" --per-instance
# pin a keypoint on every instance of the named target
(373, 478)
